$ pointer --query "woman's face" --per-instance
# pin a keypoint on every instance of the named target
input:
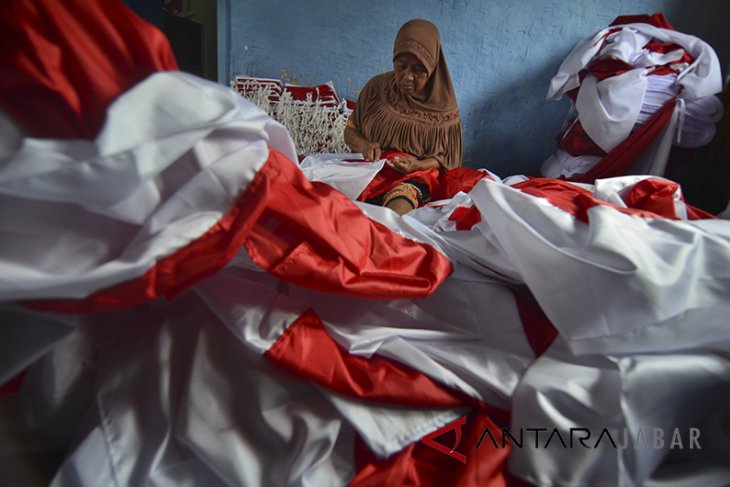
(410, 75)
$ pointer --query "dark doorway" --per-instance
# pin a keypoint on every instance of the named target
(191, 26)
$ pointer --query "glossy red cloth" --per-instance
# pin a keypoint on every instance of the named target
(465, 217)
(575, 141)
(388, 178)
(63, 62)
(538, 328)
(326, 243)
(657, 20)
(606, 67)
(441, 184)
(650, 198)
(458, 179)
(657, 196)
(307, 350)
(310, 234)
(571, 198)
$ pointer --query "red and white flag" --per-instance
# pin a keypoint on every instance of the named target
(190, 308)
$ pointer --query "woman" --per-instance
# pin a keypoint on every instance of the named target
(411, 110)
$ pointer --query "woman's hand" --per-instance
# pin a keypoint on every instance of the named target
(357, 143)
(411, 164)
(371, 151)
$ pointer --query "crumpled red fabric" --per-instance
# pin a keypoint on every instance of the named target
(63, 62)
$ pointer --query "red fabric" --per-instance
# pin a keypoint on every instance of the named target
(421, 465)
(311, 234)
(307, 350)
(651, 198)
(657, 196)
(657, 20)
(441, 185)
(458, 179)
(538, 328)
(465, 217)
(622, 157)
(568, 197)
(327, 244)
(575, 141)
(653, 195)
(12, 386)
(63, 62)
(663, 47)
(324, 93)
(571, 198)
(607, 67)
(388, 178)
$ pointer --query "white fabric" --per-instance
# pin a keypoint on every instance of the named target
(341, 171)
(655, 157)
(180, 403)
(647, 269)
(697, 116)
(21, 347)
(561, 163)
(77, 216)
(608, 109)
(179, 393)
(11, 135)
(479, 349)
(611, 108)
(631, 396)
(701, 78)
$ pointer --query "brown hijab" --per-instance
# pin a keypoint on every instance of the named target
(429, 127)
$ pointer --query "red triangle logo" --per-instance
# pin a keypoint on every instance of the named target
(456, 426)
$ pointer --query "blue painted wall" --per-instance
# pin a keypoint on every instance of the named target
(501, 54)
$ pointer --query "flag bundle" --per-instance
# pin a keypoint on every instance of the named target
(184, 306)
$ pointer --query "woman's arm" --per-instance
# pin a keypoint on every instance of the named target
(357, 143)
(412, 164)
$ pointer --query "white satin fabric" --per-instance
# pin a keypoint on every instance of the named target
(701, 78)
(77, 216)
(179, 393)
(611, 108)
(348, 173)
(561, 163)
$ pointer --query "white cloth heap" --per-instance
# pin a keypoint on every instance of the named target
(185, 393)
(610, 109)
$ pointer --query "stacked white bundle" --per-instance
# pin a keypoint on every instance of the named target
(696, 117)
(610, 108)
(263, 372)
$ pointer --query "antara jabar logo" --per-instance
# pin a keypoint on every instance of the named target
(578, 437)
